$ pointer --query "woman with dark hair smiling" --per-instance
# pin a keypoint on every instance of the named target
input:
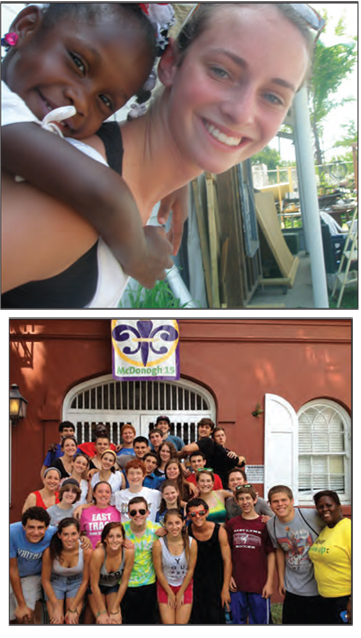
(93, 518)
(166, 451)
(331, 557)
(65, 574)
(69, 494)
(110, 568)
(215, 499)
(48, 495)
(65, 463)
(174, 472)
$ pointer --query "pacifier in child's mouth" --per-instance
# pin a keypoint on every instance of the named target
(57, 116)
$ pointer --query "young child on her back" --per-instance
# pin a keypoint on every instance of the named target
(90, 58)
(253, 562)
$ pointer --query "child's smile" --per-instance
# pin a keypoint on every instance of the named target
(96, 67)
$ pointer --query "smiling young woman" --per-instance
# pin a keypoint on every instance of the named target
(331, 557)
(174, 558)
(65, 574)
(110, 568)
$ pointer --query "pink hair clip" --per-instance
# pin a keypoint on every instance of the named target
(9, 40)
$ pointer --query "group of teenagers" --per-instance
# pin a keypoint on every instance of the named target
(130, 534)
(225, 85)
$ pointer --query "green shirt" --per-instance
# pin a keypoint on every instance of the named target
(143, 572)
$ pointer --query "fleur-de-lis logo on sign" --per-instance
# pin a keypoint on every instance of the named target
(145, 338)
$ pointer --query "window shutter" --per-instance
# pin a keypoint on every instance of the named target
(281, 444)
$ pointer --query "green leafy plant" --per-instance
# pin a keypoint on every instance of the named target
(161, 296)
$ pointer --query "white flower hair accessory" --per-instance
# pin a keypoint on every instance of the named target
(161, 15)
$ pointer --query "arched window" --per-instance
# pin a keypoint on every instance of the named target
(324, 450)
(104, 400)
(309, 451)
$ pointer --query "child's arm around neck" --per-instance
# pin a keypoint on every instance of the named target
(95, 191)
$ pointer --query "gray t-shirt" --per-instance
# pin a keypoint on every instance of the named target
(233, 509)
(296, 538)
(57, 514)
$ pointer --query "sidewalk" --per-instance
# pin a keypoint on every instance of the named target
(300, 296)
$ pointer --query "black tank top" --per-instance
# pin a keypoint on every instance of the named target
(208, 581)
(74, 287)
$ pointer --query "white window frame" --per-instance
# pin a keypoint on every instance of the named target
(345, 417)
(281, 446)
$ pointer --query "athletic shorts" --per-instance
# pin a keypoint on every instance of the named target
(250, 608)
(31, 586)
(65, 586)
(163, 596)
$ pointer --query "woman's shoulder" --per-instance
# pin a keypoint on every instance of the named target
(98, 554)
(53, 508)
(86, 511)
(345, 526)
(87, 554)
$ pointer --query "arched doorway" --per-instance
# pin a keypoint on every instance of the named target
(104, 400)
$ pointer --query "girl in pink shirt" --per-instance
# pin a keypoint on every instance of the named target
(95, 517)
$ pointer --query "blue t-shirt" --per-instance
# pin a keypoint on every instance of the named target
(29, 555)
(153, 481)
(51, 456)
(176, 440)
(127, 451)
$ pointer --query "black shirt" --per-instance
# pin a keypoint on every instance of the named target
(217, 459)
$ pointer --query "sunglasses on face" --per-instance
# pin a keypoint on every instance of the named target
(133, 513)
(200, 513)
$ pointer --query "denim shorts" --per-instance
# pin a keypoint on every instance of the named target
(108, 590)
(104, 589)
(65, 586)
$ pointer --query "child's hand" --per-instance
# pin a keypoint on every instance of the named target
(177, 202)
(156, 259)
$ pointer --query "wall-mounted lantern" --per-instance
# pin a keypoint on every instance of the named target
(17, 405)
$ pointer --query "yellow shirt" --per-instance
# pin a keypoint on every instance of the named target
(331, 557)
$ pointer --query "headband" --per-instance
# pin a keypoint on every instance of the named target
(109, 452)
(52, 468)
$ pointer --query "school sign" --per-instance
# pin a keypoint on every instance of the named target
(145, 349)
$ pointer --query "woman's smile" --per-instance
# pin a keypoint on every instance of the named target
(229, 95)
(222, 137)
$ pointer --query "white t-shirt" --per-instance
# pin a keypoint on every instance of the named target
(13, 108)
(153, 498)
(112, 281)
(115, 482)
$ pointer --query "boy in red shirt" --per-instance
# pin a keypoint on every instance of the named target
(197, 461)
(253, 561)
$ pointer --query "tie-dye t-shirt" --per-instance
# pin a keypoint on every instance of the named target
(143, 572)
